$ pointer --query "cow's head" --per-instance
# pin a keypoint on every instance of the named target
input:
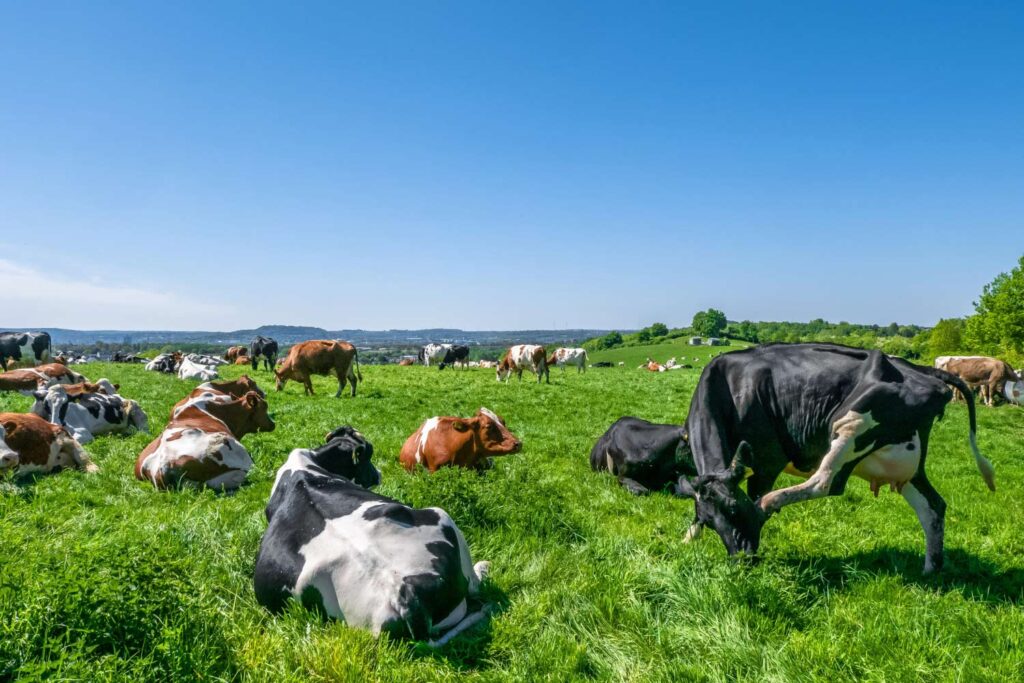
(51, 404)
(491, 435)
(245, 415)
(8, 458)
(724, 506)
(282, 374)
(347, 453)
(504, 368)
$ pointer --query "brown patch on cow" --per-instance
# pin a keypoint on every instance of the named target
(76, 390)
(242, 360)
(459, 442)
(235, 388)
(406, 362)
(234, 352)
(21, 380)
(33, 438)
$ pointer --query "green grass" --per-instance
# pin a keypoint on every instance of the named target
(697, 356)
(104, 578)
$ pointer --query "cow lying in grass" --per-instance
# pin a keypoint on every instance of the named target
(643, 455)
(201, 444)
(354, 555)
(88, 415)
(460, 442)
(28, 443)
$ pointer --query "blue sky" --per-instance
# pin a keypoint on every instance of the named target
(506, 165)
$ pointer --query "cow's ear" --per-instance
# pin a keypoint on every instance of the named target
(684, 489)
(10, 427)
(460, 426)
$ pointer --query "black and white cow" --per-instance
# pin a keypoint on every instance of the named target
(643, 455)
(432, 353)
(26, 348)
(823, 412)
(88, 415)
(266, 347)
(165, 362)
(457, 353)
(358, 556)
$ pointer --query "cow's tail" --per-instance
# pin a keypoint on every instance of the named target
(988, 473)
(467, 622)
(359, 375)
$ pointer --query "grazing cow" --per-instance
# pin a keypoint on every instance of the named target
(87, 416)
(24, 348)
(461, 442)
(31, 444)
(563, 356)
(643, 455)
(265, 347)
(189, 369)
(165, 362)
(524, 357)
(233, 352)
(991, 374)
(320, 357)
(201, 444)
(821, 411)
(354, 555)
(457, 353)
(432, 352)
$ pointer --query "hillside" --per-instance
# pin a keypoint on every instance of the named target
(633, 356)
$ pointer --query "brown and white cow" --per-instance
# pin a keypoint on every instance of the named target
(521, 357)
(226, 390)
(564, 356)
(990, 374)
(459, 442)
(200, 445)
(100, 386)
(31, 444)
(28, 380)
(320, 357)
(234, 352)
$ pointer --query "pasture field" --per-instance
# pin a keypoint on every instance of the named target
(102, 578)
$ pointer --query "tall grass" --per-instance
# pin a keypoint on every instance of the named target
(104, 578)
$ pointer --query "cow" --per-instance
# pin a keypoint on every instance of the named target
(24, 348)
(27, 381)
(488, 364)
(354, 555)
(243, 360)
(405, 362)
(602, 364)
(227, 390)
(432, 352)
(821, 411)
(28, 443)
(320, 357)
(206, 359)
(87, 416)
(165, 362)
(59, 373)
(564, 356)
(100, 386)
(643, 455)
(990, 374)
(530, 357)
(125, 357)
(457, 353)
(200, 446)
(459, 442)
(653, 366)
(233, 352)
(189, 369)
(265, 347)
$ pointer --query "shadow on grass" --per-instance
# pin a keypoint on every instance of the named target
(974, 577)
(468, 650)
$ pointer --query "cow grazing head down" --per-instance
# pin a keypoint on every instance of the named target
(348, 454)
(723, 505)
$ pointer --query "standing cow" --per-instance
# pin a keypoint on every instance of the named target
(521, 357)
(821, 411)
(563, 356)
(24, 348)
(456, 353)
(432, 353)
(320, 357)
(265, 347)
(992, 375)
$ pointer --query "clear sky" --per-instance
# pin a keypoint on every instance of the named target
(505, 165)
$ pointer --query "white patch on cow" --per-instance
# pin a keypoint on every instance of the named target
(693, 532)
(359, 565)
(299, 460)
(425, 431)
(82, 424)
(893, 465)
(221, 448)
(434, 352)
(189, 369)
(8, 458)
(491, 415)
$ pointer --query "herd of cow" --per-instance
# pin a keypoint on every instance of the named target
(822, 412)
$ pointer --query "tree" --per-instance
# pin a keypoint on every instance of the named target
(709, 323)
(998, 321)
(946, 336)
(658, 329)
(644, 335)
(611, 339)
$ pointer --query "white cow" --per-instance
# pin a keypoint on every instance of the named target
(433, 352)
(189, 369)
(566, 356)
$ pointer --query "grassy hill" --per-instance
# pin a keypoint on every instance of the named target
(104, 578)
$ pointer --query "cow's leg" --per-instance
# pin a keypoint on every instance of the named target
(634, 487)
(931, 512)
(308, 384)
(353, 379)
(841, 453)
(341, 382)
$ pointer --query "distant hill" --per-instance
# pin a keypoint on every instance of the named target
(290, 334)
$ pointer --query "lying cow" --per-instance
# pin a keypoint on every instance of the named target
(820, 411)
(190, 369)
(100, 386)
(165, 362)
(524, 357)
(201, 444)
(990, 374)
(575, 357)
(227, 390)
(28, 443)
(233, 352)
(432, 353)
(457, 353)
(405, 362)
(320, 357)
(354, 555)
(643, 455)
(461, 442)
(24, 348)
(87, 416)
(27, 381)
